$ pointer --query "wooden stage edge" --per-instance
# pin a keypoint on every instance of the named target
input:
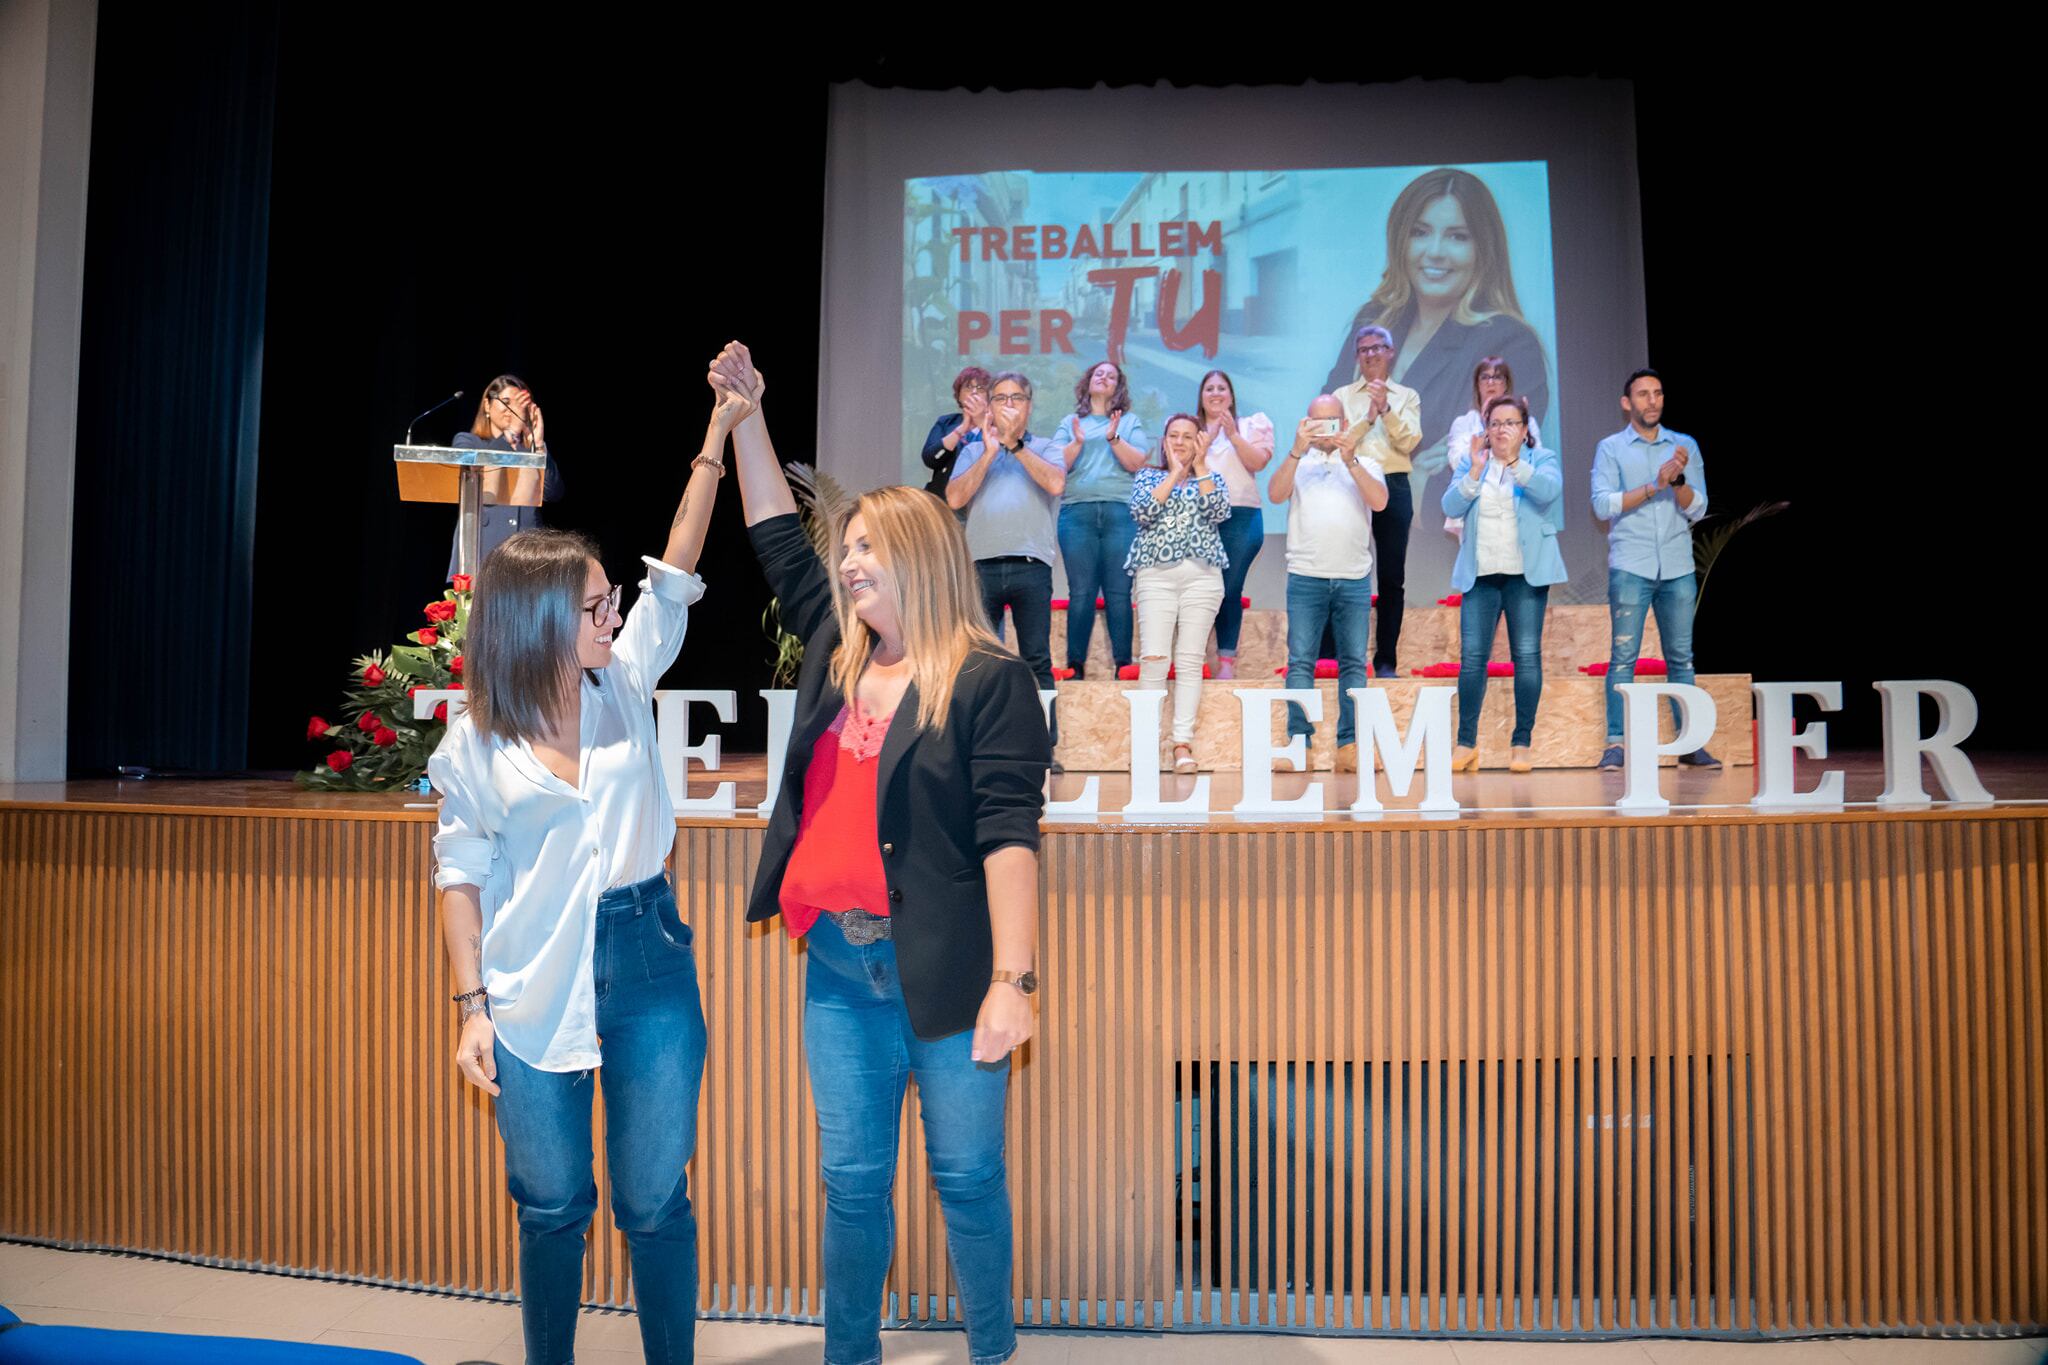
(1567, 797)
(1539, 1069)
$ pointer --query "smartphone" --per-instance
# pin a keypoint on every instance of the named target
(1325, 426)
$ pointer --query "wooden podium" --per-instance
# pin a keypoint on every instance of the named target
(456, 474)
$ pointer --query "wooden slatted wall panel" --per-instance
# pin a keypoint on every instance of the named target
(1777, 1076)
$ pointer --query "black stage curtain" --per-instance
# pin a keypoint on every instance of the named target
(598, 213)
(171, 370)
(598, 209)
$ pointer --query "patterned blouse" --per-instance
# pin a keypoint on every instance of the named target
(1185, 528)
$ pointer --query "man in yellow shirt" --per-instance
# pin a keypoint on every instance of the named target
(1385, 425)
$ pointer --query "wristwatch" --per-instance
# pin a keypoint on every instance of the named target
(1025, 981)
(1678, 482)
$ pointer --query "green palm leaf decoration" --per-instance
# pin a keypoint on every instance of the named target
(1711, 536)
(822, 502)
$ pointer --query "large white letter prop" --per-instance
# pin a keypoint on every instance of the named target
(1145, 703)
(1955, 718)
(424, 701)
(1428, 741)
(781, 720)
(1091, 788)
(677, 751)
(1259, 753)
(1640, 749)
(1777, 741)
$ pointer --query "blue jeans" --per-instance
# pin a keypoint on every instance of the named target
(1345, 606)
(1490, 595)
(652, 1030)
(861, 1051)
(1095, 538)
(1630, 597)
(1242, 536)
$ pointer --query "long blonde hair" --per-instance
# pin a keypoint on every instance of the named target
(935, 591)
(1492, 289)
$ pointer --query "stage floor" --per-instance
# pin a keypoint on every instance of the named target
(1570, 796)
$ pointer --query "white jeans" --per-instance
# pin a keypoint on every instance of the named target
(1176, 607)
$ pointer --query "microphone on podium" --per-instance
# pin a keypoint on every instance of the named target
(429, 412)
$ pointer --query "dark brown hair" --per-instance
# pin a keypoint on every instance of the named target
(1157, 459)
(1519, 404)
(1499, 366)
(1205, 384)
(519, 657)
(481, 427)
(1120, 401)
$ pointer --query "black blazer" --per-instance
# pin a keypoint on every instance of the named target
(944, 801)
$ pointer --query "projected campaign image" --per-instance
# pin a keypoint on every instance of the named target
(1267, 275)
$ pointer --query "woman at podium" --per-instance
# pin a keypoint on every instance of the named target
(507, 418)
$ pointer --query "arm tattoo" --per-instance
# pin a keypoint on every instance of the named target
(682, 510)
(476, 948)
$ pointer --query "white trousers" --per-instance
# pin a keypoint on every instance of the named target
(1176, 607)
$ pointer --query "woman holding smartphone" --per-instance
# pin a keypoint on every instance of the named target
(904, 851)
(562, 930)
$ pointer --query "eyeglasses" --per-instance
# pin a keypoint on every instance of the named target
(603, 607)
(1504, 424)
(1377, 348)
(1010, 400)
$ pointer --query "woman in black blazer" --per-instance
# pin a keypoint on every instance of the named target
(911, 718)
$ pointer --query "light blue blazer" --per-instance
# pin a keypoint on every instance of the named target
(1539, 512)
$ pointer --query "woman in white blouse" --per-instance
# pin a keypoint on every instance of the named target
(559, 919)
(1237, 450)
(1509, 494)
(1491, 378)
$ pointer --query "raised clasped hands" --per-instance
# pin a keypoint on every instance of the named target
(733, 368)
(732, 408)
(1004, 1023)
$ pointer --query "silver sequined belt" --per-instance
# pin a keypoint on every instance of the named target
(860, 927)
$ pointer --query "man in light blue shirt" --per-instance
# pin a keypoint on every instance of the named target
(1009, 483)
(1650, 487)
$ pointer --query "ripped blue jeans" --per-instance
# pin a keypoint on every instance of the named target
(1630, 600)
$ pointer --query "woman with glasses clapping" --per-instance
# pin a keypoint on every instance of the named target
(1508, 491)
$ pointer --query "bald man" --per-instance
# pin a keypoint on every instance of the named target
(1331, 492)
